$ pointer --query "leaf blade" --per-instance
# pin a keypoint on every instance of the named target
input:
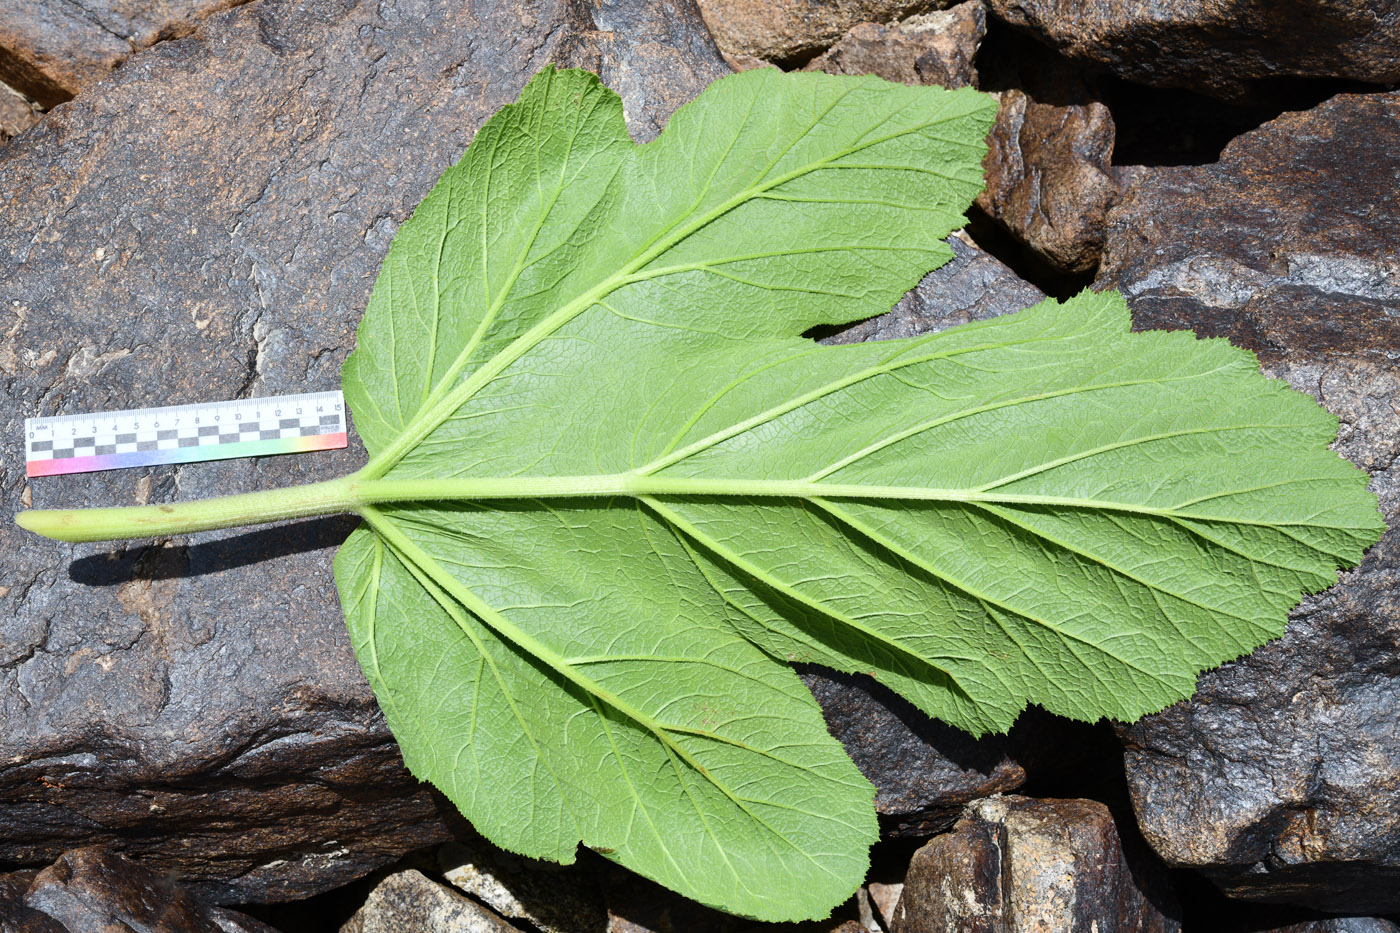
(613, 458)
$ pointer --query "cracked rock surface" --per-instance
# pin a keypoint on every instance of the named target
(791, 31)
(932, 48)
(207, 225)
(1224, 48)
(1280, 780)
(52, 50)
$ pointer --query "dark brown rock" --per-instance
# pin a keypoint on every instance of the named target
(933, 48)
(206, 224)
(1048, 165)
(16, 114)
(52, 50)
(409, 900)
(95, 889)
(1018, 864)
(1219, 47)
(789, 32)
(1280, 780)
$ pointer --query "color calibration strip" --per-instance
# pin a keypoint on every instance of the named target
(255, 427)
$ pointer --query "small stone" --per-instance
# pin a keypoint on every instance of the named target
(885, 897)
(789, 32)
(1218, 47)
(409, 900)
(554, 898)
(1018, 864)
(16, 113)
(95, 888)
(1280, 779)
(929, 49)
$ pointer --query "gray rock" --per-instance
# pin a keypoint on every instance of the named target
(790, 32)
(1014, 864)
(93, 889)
(972, 286)
(933, 48)
(408, 900)
(553, 898)
(1280, 780)
(657, 55)
(1218, 47)
(1339, 925)
(206, 224)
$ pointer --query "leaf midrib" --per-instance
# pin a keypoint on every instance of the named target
(368, 493)
(430, 418)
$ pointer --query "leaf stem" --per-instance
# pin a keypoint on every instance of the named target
(152, 521)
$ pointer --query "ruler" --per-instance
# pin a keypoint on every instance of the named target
(255, 427)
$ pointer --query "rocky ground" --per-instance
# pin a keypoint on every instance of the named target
(198, 195)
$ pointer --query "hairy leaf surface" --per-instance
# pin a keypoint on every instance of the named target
(618, 487)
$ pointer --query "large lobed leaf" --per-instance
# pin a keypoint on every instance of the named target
(619, 485)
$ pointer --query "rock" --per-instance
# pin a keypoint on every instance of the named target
(1218, 47)
(1018, 864)
(15, 915)
(657, 55)
(1339, 925)
(885, 898)
(933, 48)
(1280, 780)
(409, 900)
(972, 286)
(789, 32)
(206, 224)
(554, 898)
(51, 51)
(923, 770)
(636, 905)
(1049, 178)
(16, 114)
(93, 889)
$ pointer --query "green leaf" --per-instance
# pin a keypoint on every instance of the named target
(612, 487)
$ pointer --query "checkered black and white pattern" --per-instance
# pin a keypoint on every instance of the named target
(194, 426)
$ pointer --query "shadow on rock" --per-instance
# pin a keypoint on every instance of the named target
(111, 568)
